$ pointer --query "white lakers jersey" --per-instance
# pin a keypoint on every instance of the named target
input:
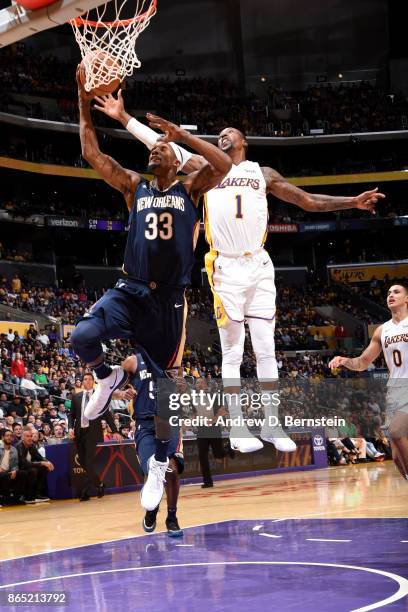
(237, 211)
(394, 340)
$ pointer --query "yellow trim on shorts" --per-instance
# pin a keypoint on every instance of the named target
(207, 231)
(220, 312)
(265, 235)
(178, 358)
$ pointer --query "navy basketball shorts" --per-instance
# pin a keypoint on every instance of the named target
(152, 318)
(145, 440)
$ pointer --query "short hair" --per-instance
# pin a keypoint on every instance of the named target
(16, 425)
(241, 131)
(27, 428)
(402, 284)
(88, 374)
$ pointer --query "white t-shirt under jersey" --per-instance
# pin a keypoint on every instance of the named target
(237, 211)
(394, 340)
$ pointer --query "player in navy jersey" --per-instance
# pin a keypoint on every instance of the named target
(143, 395)
(147, 305)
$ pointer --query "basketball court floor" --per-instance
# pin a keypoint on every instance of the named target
(332, 539)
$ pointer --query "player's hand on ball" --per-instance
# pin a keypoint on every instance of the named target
(368, 200)
(337, 362)
(171, 132)
(113, 107)
(83, 94)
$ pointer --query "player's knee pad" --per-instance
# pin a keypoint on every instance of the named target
(232, 355)
(232, 343)
(231, 362)
(263, 343)
(264, 352)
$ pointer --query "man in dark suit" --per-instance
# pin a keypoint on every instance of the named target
(87, 434)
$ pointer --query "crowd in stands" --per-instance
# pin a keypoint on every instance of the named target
(15, 255)
(39, 373)
(109, 206)
(359, 107)
(376, 290)
(207, 102)
(296, 312)
(296, 307)
(64, 304)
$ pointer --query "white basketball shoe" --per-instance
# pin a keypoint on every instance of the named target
(243, 441)
(101, 397)
(152, 492)
(277, 437)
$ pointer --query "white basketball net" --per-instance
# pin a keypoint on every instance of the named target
(108, 47)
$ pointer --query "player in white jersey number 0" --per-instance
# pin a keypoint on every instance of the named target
(392, 339)
(240, 271)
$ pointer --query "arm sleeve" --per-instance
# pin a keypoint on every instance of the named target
(149, 137)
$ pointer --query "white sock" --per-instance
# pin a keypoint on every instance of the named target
(235, 411)
(271, 425)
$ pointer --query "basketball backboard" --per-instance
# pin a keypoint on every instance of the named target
(18, 22)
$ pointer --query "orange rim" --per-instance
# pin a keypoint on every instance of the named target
(79, 21)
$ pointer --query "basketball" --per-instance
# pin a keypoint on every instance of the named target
(101, 64)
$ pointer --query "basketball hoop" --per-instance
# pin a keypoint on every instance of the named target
(108, 47)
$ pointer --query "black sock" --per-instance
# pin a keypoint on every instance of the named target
(102, 370)
(161, 450)
(171, 513)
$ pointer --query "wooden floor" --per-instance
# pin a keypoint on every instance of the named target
(355, 491)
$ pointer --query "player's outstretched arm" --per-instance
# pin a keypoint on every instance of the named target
(110, 170)
(218, 163)
(115, 109)
(361, 363)
(315, 202)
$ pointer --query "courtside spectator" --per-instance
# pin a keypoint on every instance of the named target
(34, 466)
(59, 436)
(10, 476)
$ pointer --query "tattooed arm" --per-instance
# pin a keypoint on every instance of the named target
(110, 170)
(361, 363)
(313, 202)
